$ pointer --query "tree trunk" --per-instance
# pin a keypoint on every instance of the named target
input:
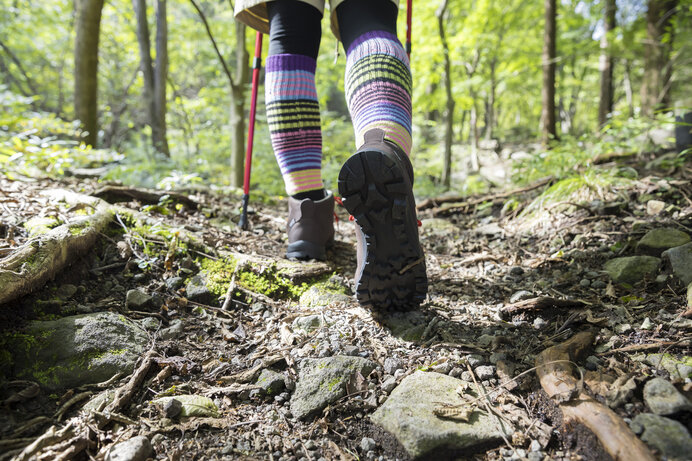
(657, 66)
(490, 107)
(86, 66)
(238, 125)
(549, 55)
(629, 94)
(449, 106)
(605, 106)
(160, 77)
(473, 136)
(152, 97)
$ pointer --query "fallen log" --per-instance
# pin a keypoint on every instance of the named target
(555, 374)
(39, 259)
(436, 201)
(114, 194)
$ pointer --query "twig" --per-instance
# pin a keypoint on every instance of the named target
(644, 347)
(66, 406)
(126, 392)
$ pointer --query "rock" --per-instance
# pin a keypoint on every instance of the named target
(539, 323)
(308, 324)
(663, 398)
(516, 271)
(656, 241)
(351, 350)
(631, 269)
(389, 384)
(647, 324)
(677, 369)
(485, 372)
(535, 446)
(136, 299)
(324, 295)
(623, 328)
(77, 350)
(654, 207)
(174, 283)
(391, 365)
(174, 330)
(136, 449)
(669, 437)
(197, 291)
(172, 408)
(408, 415)
(100, 401)
(598, 284)
(680, 259)
(520, 296)
(323, 381)
(271, 382)
(585, 283)
(474, 360)
(367, 444)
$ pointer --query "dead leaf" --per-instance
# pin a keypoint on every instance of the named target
(595, 320)
(599, 382)
(287, 336)
(356, 384)
(610, 290)
(454, 412)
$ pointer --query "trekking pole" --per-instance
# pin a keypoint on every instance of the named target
(256, 66)
(409, 8)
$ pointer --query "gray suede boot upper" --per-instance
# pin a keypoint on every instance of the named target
(310, 227)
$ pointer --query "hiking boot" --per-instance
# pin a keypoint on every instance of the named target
(376, 186)
(310, 227)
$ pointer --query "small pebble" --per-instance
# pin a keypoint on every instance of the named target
(584, 283)
(539, 323)
(474, 360)
(367, 444)
(535, 445)
(351, 350)
(455, 372)
(516, 271)
(485, 372)
(647, 324)
(172, 408)
(466, 376)
(598, 284)
(519, 296)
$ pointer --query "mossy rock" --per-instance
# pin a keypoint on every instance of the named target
(632, 269)
(76, 350)
(656, 241)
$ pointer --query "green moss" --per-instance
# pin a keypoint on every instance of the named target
(264, 280)
(334, 383)
(41, 224)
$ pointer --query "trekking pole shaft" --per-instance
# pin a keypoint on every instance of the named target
(409, 16)
(256, 66)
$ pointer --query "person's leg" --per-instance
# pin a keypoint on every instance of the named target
(293, 113)
(378, 79)
(376, 182)
(293, 116)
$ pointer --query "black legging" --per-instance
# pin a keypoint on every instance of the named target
(295, 26)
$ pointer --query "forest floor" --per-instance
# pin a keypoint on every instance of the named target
(511, 275)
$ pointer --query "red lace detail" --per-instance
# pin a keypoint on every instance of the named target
(338, 200)
(351, 218)
(420, 224)
(336, 218)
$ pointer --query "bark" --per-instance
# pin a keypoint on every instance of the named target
(627, 84)
(152, 92)
(115, 194)
(555, 374)
(549, 55)
(490, 107)
(605, 106)
(237, 86)
(450, 103)
(160, 77)
(39, 259)
(86, 66)
(655, 88)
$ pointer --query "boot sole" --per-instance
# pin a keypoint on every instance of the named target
(376, 193)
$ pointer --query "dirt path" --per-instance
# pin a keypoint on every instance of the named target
(482, 326)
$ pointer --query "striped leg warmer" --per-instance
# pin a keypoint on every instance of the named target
(293, 116)
(378, 87)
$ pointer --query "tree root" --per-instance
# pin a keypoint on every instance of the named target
(114, 194)
(537, 304)
(39, 259)
(555, 374)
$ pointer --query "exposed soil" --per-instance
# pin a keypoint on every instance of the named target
(479, 259)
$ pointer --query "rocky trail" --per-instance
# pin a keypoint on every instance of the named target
(148, 325)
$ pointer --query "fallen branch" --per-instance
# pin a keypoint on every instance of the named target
(541, 303)
(51, 437)
(645, 347)
(436, 201)
(555, 375)
(43, 256)
(126, 392)
(115, 194)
